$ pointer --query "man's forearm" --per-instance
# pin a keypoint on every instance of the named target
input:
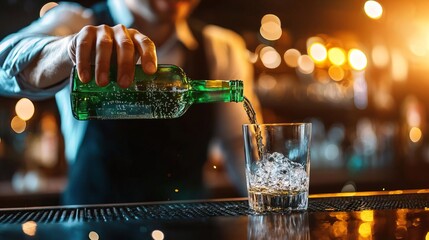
(52, 66)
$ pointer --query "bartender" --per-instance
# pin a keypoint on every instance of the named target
(132, 160)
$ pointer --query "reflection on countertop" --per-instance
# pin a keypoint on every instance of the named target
(361, 215)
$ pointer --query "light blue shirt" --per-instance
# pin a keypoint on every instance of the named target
(226, 52)
(19, 49)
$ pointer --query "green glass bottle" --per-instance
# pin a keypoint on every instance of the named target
(166, 94)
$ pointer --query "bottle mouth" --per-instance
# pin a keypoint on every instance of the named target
(236, 90)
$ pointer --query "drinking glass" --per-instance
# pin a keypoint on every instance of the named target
(277, 166)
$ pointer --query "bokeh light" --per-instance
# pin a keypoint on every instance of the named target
(415, 134)
(399, 66)
(336, 73)
(93, 235)
(18, 125)
(291, 57)
(413, 115)
(365, 229)
(418, 39)
(270, 27)
(339, 229)
(380, 56)
(318, 52)
(357, 59)
(331, 152)
(29, 228)
(313, 40)
(337, 56)
(367, 215)
(305, 64)
(24, 109)
(360, 92)
(373, 9)
(270, 57)
(157, 235)
(267, 82)
(270, 18)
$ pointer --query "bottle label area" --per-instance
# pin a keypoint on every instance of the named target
(128, 106)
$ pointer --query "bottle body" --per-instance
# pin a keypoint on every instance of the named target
(166, 94)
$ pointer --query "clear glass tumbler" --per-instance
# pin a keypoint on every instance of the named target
(277, 166)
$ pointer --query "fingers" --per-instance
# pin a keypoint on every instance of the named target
(83, 43)
(127, 42)
(125, 55)
(105, 46)
(146, 49)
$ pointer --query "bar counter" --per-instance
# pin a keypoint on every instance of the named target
(359, 215)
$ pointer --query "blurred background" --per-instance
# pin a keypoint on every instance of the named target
(358, 70)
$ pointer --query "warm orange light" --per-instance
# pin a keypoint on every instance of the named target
(396, 192)
(367, 215)
(291, 57)
(29, 228)
(415, 134)
(48, 123)
(318, 52)
(270, 57)
(336, 73)
(413, 116)
(365, 229)
(267, 82)
(157, 235)
(337, 56)
(339, 229)
(270, 18)
(24, 109)
(373, 9)
(399, 66)
(270, 27)
(380, 56)
(357, 59)
(341, 216)
(313, 40)
(93, 235)
(305, 64)
(18, 125)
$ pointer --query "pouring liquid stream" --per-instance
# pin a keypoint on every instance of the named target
(251, 114)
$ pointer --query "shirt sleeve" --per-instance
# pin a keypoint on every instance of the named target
(19, 49)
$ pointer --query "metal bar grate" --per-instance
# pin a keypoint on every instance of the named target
(190, 210)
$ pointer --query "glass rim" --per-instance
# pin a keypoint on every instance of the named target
(277, 124)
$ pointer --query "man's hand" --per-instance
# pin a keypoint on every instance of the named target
(103, 45)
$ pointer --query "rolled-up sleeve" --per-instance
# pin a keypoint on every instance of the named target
(18, 50)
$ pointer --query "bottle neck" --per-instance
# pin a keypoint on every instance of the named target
(205, 91)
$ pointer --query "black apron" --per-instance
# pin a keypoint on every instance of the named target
(145, 160)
